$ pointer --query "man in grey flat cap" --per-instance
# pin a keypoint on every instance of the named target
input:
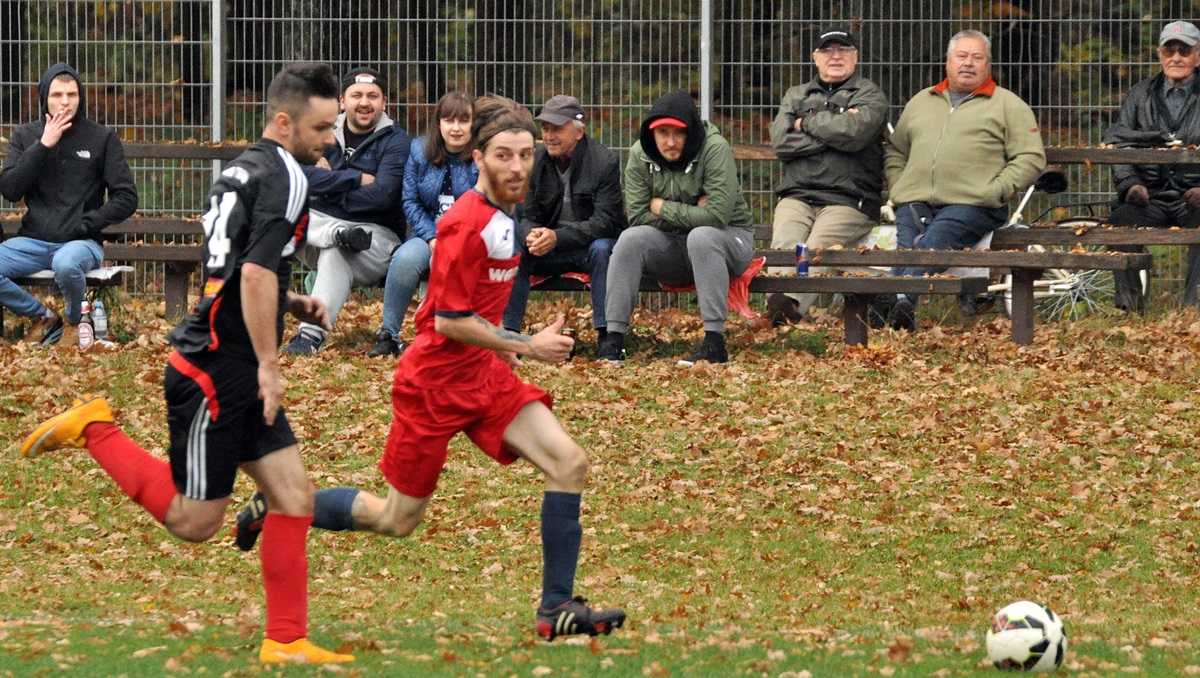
(1160, 111)
(574, 209)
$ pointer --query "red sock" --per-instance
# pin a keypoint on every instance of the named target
(145, 478)
(285, 575)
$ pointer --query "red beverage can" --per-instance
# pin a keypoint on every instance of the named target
(569, 332)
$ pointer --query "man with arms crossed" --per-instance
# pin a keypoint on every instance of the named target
(457, 376)
(222, 382)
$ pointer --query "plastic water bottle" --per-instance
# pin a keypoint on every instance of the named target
(87, 331)
(100, 320)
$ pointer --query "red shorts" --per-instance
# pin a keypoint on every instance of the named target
(424, 420)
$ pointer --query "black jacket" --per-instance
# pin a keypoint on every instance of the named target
(64, 187)
(1145, 120)
(595, 184)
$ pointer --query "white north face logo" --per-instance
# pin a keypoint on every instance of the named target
(85, 154)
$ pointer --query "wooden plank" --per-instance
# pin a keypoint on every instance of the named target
(1022, 305)
(164, 253)
(1067, 155)
(883, 284)
(1104, 261)
(149, 226)
(1104, 235)
(174, 151)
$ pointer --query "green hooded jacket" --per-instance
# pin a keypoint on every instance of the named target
(705, 168)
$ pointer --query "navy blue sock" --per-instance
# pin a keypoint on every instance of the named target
(561, 535)
(332, 509)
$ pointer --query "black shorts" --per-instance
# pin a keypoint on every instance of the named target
(216, 423)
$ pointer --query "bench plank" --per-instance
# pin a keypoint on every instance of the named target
(1011, 238)
(1103, 261)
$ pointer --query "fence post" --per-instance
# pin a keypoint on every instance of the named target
(218, 77)
(706, 60)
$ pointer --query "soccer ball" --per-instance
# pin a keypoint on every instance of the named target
(1026, 636)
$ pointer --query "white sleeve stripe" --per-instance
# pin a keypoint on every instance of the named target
(297, 185)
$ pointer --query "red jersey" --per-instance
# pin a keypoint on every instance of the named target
(471, 272)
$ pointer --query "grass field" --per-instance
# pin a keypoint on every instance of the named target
(805, 510)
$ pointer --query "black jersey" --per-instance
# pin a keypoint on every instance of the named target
(257, 212)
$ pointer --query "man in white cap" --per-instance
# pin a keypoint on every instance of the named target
(1160, 111)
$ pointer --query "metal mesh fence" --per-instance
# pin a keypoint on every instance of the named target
(149, 67)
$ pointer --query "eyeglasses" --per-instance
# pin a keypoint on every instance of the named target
(841, 49)
(1171, 50)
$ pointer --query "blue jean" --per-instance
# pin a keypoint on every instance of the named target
(592, 260)
(410, 261)
(952, 227)
(70, 261)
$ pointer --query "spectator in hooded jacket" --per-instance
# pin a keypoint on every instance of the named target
(829, 135)
(72, 174)
(1159, 111)
(573, 212)
(355, 217)
(689, 223)
(439, 170)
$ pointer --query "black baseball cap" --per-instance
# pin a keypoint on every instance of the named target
(842, 35)
(363, 74)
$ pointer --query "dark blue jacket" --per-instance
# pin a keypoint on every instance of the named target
(423, 184)
(337, 192)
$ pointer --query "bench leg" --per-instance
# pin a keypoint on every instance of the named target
(1022, 304)
(175, 288)
(854, 317)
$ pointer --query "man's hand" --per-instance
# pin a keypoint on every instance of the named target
(270, 390)
(323, 163)
(56, 126)
(511, 359)
(798, 125)
(541, 240)
(1192, 196)
(367, 179)
(549, 345)
(309, 310)
(1138, 195)
(656, 204)
(702, 202)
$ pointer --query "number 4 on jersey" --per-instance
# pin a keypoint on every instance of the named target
(216, 223)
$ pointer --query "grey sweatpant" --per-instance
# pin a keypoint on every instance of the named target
(337, 269)
(706, 256)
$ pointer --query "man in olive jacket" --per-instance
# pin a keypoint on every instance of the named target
(573, 210)
(961, 150)
(829, 136)
(1160, 111)
(689, 223)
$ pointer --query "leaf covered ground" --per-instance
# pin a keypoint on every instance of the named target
(807, 509)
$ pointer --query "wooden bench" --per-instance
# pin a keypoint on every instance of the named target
(1020, 237)
(144, 236)
(1026, 267)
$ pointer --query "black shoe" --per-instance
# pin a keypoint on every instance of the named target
(903, 316)
(303, 344)
(250, 521)
(783, 310)
(385, 345)
(611, 349)
(709, 351)
(971, 304)
(575, 617)
(879, 310)
(355, 239)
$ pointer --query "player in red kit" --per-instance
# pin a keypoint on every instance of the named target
(457, 376)
(222, 383)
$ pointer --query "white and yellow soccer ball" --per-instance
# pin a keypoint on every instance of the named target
(1026, 636)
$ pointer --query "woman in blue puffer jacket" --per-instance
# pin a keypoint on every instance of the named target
(439, 170)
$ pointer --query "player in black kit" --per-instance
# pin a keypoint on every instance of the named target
(222, 381)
